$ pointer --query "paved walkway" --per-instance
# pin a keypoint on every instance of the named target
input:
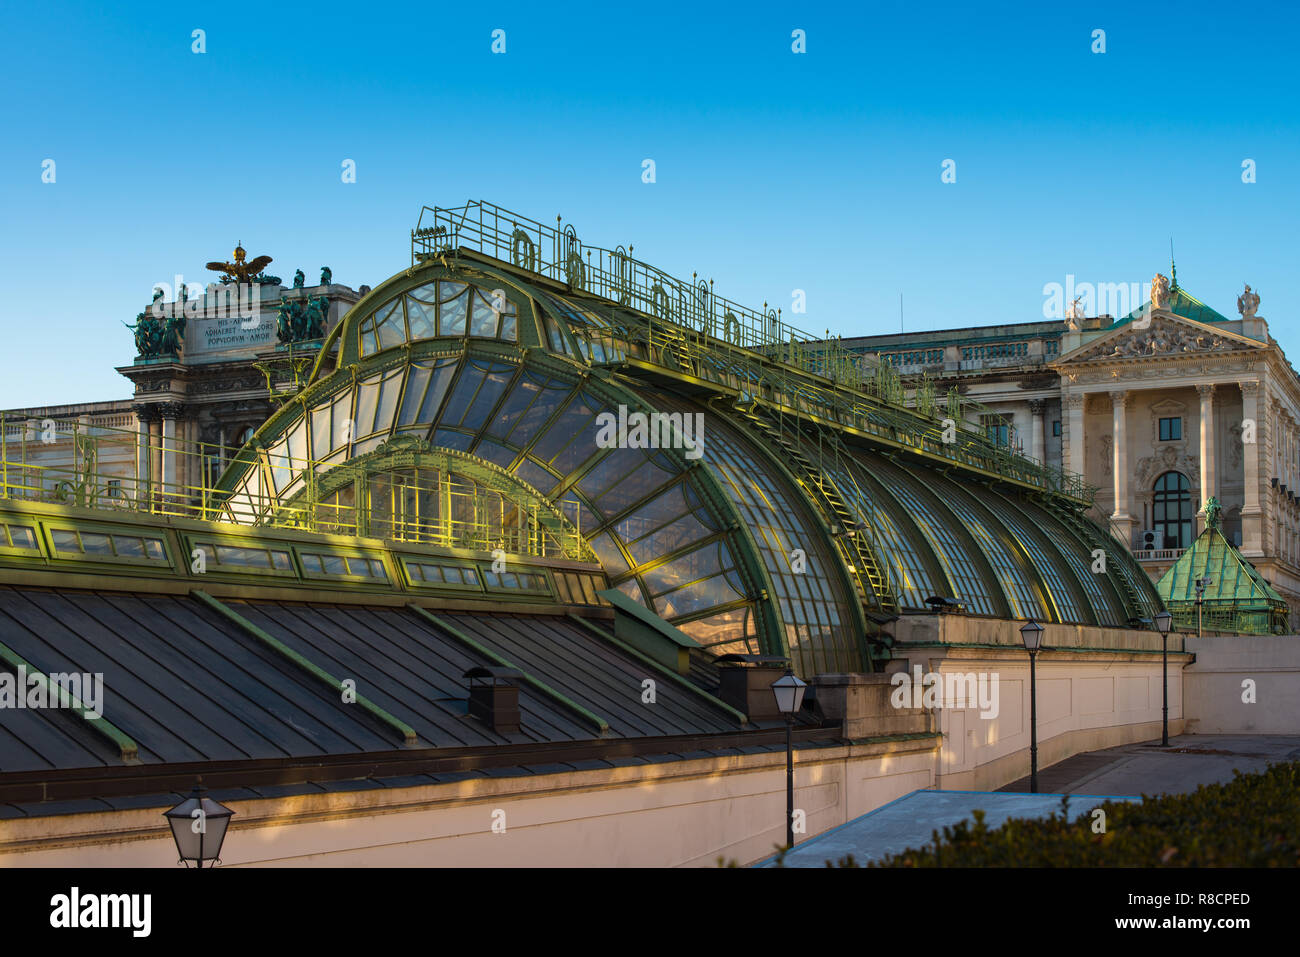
(1190, 761)
(1122, 773)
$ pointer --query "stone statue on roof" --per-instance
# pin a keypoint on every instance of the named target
(1074, 314)
(1159, 291)
(1248, 303)
(1212, 510)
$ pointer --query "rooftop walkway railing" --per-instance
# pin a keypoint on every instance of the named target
(111, 469)
(687, 328)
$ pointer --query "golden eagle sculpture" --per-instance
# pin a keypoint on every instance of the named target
(239, 270)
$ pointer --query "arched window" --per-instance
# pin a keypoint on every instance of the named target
(1172, 511)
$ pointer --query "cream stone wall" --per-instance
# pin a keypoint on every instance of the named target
(1244, 685)
(1097, 688)
(685, 813)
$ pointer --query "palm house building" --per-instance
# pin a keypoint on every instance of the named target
(526, 528)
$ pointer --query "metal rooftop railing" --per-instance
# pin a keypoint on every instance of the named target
(67, 462)
(689, 328)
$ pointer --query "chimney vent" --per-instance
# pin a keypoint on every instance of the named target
(494, 697)
(746, 683)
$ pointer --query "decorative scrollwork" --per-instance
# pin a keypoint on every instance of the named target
(574, 270)
(523, 251)
(731, 328)
(660, 304)
(703, 296)
(621, 282)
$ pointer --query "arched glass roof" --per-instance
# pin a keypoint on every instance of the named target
(743, 541)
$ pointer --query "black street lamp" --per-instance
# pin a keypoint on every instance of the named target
(789, 699)
(199, 827)
(1163, 620)
(1201, 585)
(1032, 633)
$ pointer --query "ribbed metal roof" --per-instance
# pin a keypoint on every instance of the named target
(189, 684)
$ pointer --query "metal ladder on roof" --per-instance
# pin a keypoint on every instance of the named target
(854, 537)
(1092, 536)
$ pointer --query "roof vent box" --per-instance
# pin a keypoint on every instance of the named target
(494, 697)
(745, 683)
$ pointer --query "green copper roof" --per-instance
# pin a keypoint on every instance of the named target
(1237, 598)
(1181, 304)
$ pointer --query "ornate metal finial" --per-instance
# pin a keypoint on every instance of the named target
(240, 270)
(1173, 270)
(1212, 510)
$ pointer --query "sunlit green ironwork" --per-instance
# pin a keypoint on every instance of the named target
(651, 320)
(444, 500)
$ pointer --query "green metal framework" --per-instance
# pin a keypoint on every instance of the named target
(814, 497)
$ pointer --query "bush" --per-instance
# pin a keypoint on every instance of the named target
(1252, 821)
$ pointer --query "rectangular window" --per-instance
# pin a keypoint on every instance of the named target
(437, 575)
(22, 536)
(1171, 429)
(997, 429)
(1056, 427)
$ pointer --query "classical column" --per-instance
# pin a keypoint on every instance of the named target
(1072, 453)
(144, 414)
(171, 411)
(1038, 444)
(1252, 516)
(1121, 520)
(155, 459)
(1209, 477)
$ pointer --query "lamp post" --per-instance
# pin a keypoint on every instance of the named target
(1032, 634)
(1201, 585)
(1163, 620)
(199, 827)
(789, 699)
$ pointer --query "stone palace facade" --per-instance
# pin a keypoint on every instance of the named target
(1160, 410)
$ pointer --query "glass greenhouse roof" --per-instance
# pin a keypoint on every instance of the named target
(775, 532)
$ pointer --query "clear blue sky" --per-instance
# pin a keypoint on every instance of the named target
(775, 171)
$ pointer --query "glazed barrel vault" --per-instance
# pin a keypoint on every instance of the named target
(750, 492)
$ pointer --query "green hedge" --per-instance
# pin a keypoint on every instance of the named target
(1252, 821)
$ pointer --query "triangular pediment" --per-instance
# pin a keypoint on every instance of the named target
(1165, 336)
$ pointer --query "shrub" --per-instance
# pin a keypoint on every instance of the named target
(1251, 821)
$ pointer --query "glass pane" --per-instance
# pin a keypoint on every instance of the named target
(320, 432)
(281, 560)
(462, 395)
(531, 421)
(128, 547)
(417, 380)
(248, 557)
(93, 543)
(23, 536)
(452, 316)
(421, 319)
(428, 292)
(367, 397)
(389, 390)
(391, 325)
(525, 392)
(574, 419)
(488, 396)
(610, 557)
(696, 597)
(450, 290)
(702, 563)
(508, 330)
(484, 320)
